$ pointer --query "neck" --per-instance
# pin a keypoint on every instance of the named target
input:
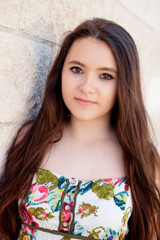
(94, 130)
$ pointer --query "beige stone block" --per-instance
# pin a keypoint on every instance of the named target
(152, 14)
(153, 95)
(24, 66)
(8, 132)
(155, 119)
(146, 39)
(148, 11)
(50, 19)
(137, 7)
(10, 12)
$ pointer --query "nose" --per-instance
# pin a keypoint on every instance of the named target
(88, 84)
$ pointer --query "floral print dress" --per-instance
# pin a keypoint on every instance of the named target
(58, 208)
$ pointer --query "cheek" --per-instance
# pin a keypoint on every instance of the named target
(111, 94)
(69, 84)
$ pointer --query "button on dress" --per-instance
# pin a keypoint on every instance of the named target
(58, 208)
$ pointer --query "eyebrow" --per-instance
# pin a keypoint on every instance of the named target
(102, 68)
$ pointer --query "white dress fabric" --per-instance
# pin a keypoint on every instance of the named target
(59, 208)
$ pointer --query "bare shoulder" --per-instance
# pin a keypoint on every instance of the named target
(22, 132)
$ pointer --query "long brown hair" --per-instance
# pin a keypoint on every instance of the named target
(128, 116)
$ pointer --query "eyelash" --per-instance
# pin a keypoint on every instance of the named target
(109, 77)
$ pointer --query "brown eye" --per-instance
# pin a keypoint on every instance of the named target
(76, 70)
(106, 76)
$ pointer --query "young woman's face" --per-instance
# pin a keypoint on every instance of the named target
(89, 79)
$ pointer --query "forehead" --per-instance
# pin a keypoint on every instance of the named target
(91, 51)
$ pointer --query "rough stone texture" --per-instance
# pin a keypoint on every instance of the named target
(24, 66)
(147, 10)
(30, 33)
(50, 19)
(8, 132)
(152, 14)
(155, 117)
(137, 7)
(10, 13)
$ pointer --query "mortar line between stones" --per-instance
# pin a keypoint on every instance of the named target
(139, 18)
(28, 36)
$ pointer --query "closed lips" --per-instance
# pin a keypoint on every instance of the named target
(84, 100)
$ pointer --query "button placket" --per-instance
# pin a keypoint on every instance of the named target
(68, 205)
(69, 194)
(65, 224)
(73, 181)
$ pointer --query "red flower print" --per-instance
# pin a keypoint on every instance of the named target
(126, 186)
(27, 217)
(43, 189)
(40, 192)
(112, 181)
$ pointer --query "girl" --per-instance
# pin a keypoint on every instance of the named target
(86, 167)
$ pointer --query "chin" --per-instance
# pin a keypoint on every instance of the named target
(86, 117)
(83, 117)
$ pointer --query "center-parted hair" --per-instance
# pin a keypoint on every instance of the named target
(128, 117)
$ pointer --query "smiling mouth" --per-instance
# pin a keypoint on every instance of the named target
(84, 102)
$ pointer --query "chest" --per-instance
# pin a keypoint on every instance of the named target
(85, 162)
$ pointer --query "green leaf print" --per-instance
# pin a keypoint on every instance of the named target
(40, 213)
(86, 209)
(45, 176)
(95, 232)
(126, 216)
(103, 191)
(24, 235)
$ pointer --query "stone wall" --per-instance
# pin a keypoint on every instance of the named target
(30, 33)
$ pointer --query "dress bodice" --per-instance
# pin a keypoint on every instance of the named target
(56, 207)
